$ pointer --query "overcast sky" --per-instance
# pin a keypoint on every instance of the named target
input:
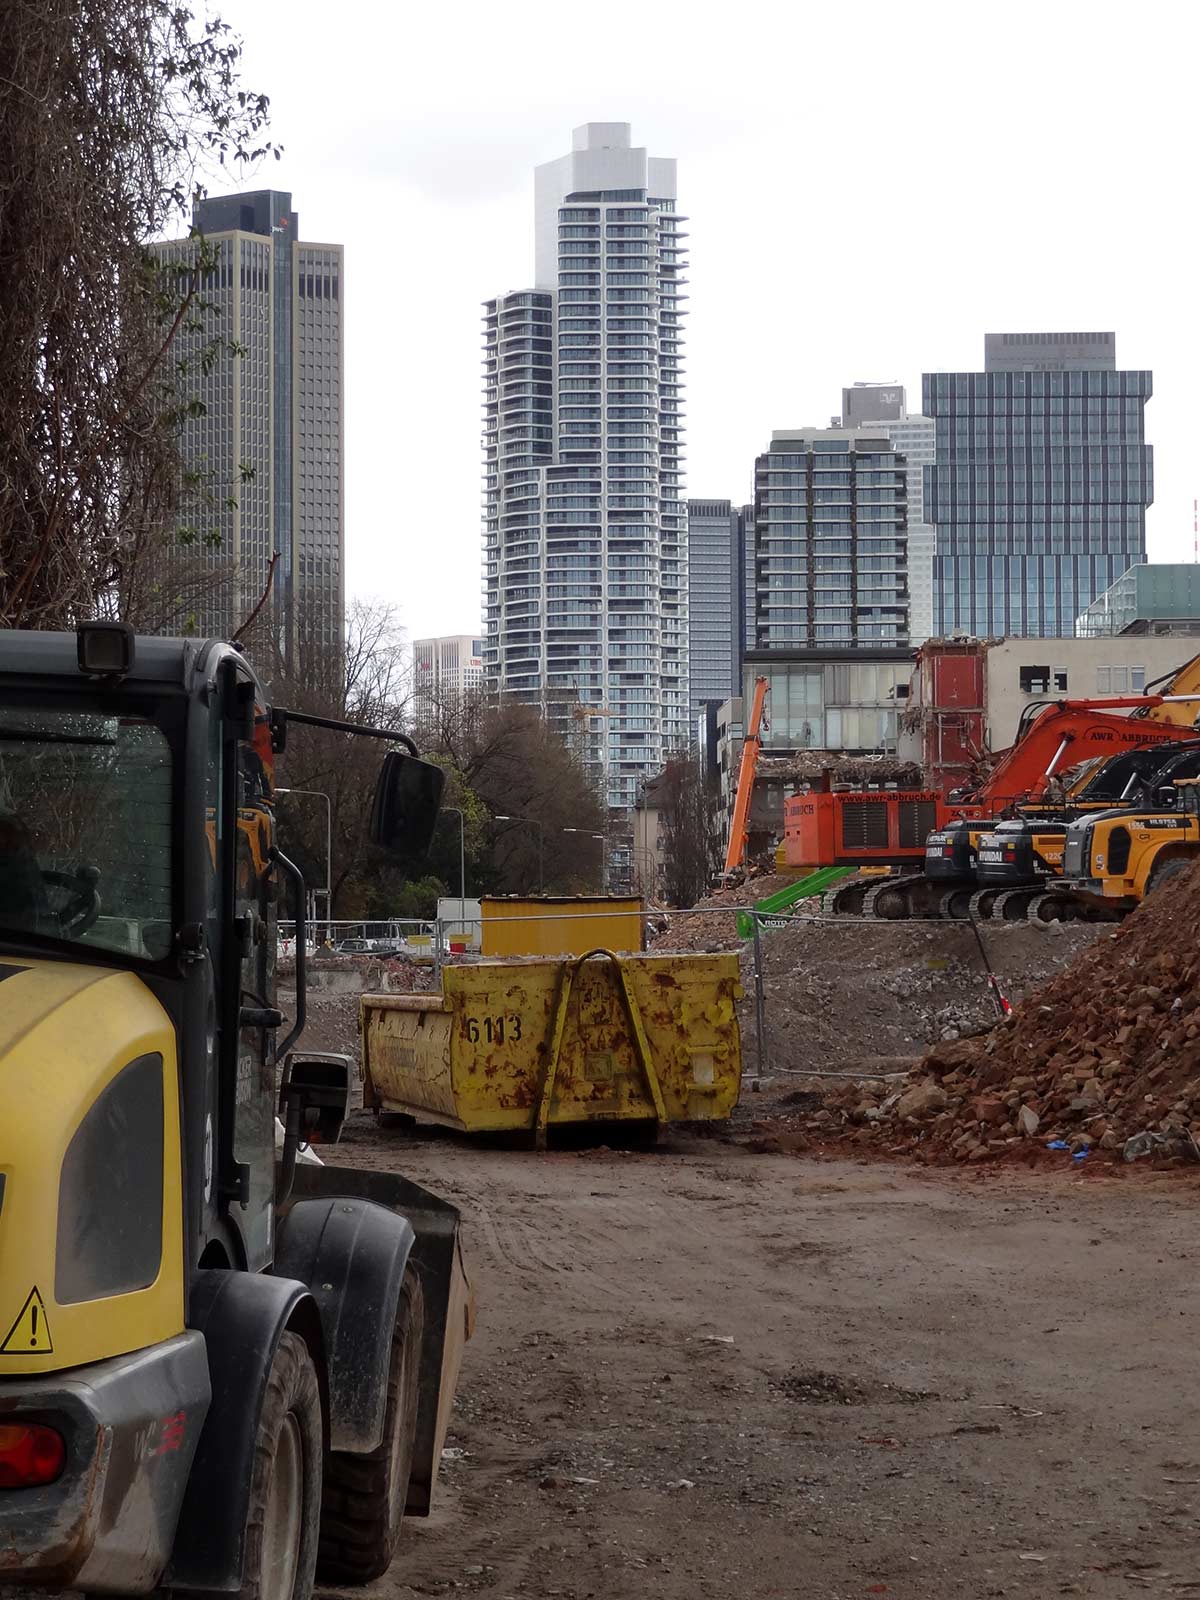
(870, 187)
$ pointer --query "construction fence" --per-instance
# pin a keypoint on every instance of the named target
(811, 983)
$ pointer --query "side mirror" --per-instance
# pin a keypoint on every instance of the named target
(315, 1095)
(407, 799)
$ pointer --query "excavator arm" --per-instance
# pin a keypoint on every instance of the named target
(735, 853)
(1065, 733)
(1179, 692)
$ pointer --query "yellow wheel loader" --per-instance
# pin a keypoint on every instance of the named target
(221, 1371)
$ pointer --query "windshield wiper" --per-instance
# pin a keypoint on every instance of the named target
(22, 736)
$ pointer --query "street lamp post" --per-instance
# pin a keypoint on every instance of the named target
(603, 854)
(462, 862)
(319, 794)
(534, 822)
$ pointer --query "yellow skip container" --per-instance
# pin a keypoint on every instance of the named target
(512, 1045)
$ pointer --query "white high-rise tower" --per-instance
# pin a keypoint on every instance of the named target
(585, 536)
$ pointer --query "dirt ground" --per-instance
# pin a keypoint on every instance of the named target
(843, 993)
(700, 1371)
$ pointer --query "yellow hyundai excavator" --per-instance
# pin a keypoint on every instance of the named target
(1113, 859)
(222, 1370)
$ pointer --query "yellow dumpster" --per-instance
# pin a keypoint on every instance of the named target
(559, 925)
(526, 1044)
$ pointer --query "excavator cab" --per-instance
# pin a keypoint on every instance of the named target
(1114, 859)
(217, 1368)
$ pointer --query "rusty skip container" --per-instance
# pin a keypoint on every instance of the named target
(560, 925)
(512, 1045)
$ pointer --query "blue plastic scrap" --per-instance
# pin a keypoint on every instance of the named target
(1081, 1155)
(1057, 1144)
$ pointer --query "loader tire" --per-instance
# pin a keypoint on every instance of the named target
(1169, 869)
(285, 1484)
(363, 1505)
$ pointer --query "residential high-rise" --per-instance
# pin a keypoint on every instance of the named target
(830, 541)
(882, 407)
(268, 441)
(1039, 491)
(447, 666)
(716, 575)
(746, 597)
(585, 538)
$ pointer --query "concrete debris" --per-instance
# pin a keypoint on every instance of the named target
(922, 1100)
(808, 766)
(693, 931)
(872, 997)
(1104, 1058)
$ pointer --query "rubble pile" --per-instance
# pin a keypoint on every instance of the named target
(1108, 1052)
(688, 931)
(807, 766)
(851, 994)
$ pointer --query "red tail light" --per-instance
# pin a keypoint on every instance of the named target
(30, 1455)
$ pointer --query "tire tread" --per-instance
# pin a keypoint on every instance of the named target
(357, 1540)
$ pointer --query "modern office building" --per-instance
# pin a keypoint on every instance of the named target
(830, 541)
(585, 537)
(267, 443)
(1159, 598)
(716, 600)
(839, 700)
(447, 667)
(1039, 491)
(883, 407)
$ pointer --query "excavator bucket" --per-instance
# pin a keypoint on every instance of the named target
(449, 1300)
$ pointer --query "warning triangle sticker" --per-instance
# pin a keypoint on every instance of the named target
(30, 1333)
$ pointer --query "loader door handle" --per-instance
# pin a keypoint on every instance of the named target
(260, 1017)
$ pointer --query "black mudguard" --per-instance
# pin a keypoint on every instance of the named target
(449, 1303)
(243, 1316)
(352, 1255)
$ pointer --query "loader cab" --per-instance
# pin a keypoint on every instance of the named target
(137, 834)
(207, 1355)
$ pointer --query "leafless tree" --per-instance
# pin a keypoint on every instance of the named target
(111, 113)
(688, 823)
(363, 681)
(510, 762)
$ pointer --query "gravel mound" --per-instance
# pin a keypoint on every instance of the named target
(850, 994)
(1106, 1053)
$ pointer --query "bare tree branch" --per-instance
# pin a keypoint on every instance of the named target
(111, 111)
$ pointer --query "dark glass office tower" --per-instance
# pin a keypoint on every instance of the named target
(268, 434)
(715, 579)
(1041, 483)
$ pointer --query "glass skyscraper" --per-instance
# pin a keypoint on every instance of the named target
(1040, 486)
(585, 529)
(269, 426)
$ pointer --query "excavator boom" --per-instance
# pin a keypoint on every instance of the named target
(1064, 734)
(735, 852)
